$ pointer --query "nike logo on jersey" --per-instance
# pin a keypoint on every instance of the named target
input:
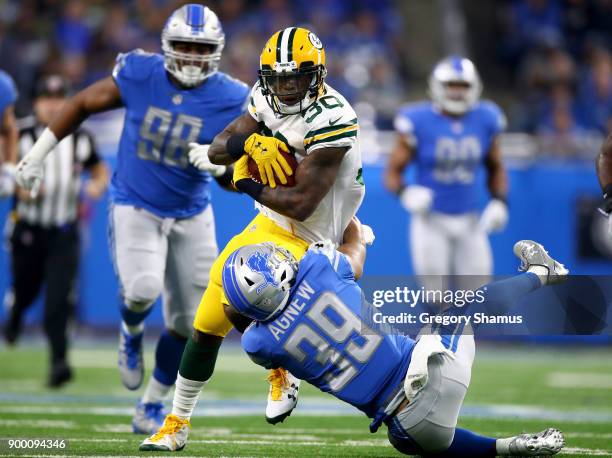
(331, 123)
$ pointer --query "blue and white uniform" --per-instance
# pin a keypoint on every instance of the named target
(8, 92)
(322, 336)
(162, 226)
(449, 153)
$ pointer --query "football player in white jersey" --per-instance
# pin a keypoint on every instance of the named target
(450, 139)
(292, 110)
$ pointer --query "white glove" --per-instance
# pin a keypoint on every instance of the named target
(198, 156)
(416, 199)
(30, 172)
(7, 180)
(368, 234)
(494, 217)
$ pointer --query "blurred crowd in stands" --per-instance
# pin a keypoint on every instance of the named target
(557, 52)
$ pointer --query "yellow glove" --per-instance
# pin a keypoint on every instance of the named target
(241, 169)
(265, 151)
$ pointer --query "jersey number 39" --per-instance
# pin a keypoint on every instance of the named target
(159, 143)
(339, 344)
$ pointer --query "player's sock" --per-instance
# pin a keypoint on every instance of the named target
(186, 394)
(541, 272)
(168, 356)
(501, 295)
(198, 361)
(133, 321)
(466, 443)
(167, 359)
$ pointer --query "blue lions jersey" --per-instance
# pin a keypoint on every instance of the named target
(321, 337)
(161, 119)
(8, 91)
(450, 150)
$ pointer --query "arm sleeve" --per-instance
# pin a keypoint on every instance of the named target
(8, 92)
(255, 346)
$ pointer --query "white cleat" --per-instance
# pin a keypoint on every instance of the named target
(131, 363)
(283, 395)
(545, 443)
(533, 254)
(171, 437)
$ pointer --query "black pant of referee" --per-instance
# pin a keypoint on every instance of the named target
(50, 257)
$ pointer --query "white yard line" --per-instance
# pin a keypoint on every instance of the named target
(580, 380)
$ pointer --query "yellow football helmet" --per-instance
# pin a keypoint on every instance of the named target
(292, 70)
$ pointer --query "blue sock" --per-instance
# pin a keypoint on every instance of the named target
(468, 444)
(501, 295)
(168, 358)
(132, 318)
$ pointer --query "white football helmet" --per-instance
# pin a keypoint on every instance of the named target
(257, 280)
(192, 23)
(455, 100)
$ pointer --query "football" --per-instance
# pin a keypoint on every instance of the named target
(291, 160)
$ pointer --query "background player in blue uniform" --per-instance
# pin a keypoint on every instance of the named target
(310, 320)
(450, 139)
(162, 231)
(9, 133)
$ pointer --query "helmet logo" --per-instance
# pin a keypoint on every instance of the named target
(258, 262)
(315, 40)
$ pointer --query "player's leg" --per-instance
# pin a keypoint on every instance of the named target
(28, 252)
(138, 248)
(192, 249)
(60, 274)
(210, 327)
(472, 258)
(430, 246)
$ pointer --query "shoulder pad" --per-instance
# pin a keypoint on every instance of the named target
(136, 65)
(330, 120)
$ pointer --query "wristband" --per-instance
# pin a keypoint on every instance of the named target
(607, 195)
(43, 146)
(235, 146)
(250, 187)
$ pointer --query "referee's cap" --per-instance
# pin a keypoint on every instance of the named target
(52, 86)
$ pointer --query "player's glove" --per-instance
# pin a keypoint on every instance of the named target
(265, 151)
(241, 170)
(30, 172)
(198, 156)
(7, 180)
(494, 217)
(416, 199)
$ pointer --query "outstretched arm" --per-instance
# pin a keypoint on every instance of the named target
(400, 157)
(497, 178)
(314, 178)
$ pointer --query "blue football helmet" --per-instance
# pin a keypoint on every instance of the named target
(455, 100)
(192, 23)
(257, 280)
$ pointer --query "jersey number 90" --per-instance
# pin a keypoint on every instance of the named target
(159, 143)
(338, 344)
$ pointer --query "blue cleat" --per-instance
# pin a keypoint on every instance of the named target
(148, 418)
(131, 364)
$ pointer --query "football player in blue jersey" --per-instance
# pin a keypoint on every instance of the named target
(9, 133)
(162, 232)
(310, 318)
(450, 139)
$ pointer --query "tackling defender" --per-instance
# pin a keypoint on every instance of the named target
(162, 231)
(310, 318)
(450, 139)
(291, 108)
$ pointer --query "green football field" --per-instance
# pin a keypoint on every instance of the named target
(513, 389)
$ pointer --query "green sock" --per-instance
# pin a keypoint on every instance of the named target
(198, 361)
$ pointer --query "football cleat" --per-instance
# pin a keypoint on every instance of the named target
(171, 437)
(545, 443)
(131, 364)
(283, 395)
(533, 254)
(148, 418)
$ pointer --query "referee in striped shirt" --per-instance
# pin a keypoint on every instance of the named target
(45, 240)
